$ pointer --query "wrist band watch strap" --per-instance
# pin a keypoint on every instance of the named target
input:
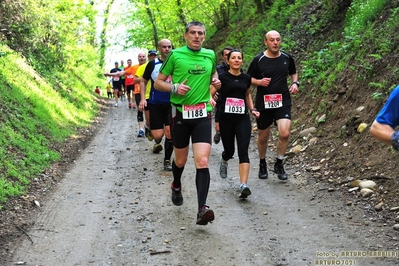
(395, 140)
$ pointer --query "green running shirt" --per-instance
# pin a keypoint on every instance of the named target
(195, 66)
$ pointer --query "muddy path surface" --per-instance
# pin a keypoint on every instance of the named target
(113, 207)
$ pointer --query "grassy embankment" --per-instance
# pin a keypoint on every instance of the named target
(35, 115)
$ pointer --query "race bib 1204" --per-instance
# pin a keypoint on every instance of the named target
(273, 101)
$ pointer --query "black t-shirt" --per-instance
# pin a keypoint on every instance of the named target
(278, 69)
(116, 81)
(151, 73)
(233, 87)
(221, 68)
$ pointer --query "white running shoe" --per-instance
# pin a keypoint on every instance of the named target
(244, 191)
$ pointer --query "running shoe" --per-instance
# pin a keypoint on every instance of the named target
(167, 166)
(150, 137)
(157, 148)
(130, 106)
(223, 168)
(216, 138)
(134, 105)
(244, 191)
(205, 215)
(177, 197)
(263, 171)
(148, 134)
(116, 104)
(141, 133)
(279, 170)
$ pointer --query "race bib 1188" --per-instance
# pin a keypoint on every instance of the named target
(194, 111)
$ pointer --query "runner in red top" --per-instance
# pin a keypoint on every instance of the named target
(129, 83)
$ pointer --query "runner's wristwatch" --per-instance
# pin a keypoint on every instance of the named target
(296, 82)
(395, 140)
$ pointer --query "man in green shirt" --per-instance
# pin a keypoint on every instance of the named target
(192, 70)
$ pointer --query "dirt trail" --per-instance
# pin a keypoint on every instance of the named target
(114, 208)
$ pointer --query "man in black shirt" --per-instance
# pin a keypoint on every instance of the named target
(269, 71)
(116, 83)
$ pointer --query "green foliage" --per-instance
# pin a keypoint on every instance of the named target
(377, 96)
(34, 116)
(317, 66)
(324, 66)
(376, 56)
(361, 13)
(377, 85)
(169, 18)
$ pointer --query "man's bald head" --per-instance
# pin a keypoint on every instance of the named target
(272, 34)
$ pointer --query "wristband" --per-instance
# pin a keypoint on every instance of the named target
(296, 82)
(395, 140)
(254, 109)
(174, 88)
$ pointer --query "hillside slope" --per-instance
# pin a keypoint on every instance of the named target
(346, 75)
(355, 96)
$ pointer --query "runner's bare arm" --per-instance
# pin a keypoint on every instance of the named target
(177, 88)
(382, 132)
(137, 79)
(215, 80)
(161, 84)
(213, 90)
(115, 74)
(143, 88)
(294, 78)
(294, 88)
(250, 104)
(264, 82)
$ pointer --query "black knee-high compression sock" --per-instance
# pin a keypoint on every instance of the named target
(202, 181)
(168, 149)
(177, 172)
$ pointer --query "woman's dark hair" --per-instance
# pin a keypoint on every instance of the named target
(234, 50)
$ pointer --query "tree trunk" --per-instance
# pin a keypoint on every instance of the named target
(153, 23)
(180, 11)
(103, 42)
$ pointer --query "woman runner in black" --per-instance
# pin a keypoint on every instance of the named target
(234, 122)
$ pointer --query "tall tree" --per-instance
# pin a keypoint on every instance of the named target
(103, 39)
(151, 17)
(152, 20)
(180, 12)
